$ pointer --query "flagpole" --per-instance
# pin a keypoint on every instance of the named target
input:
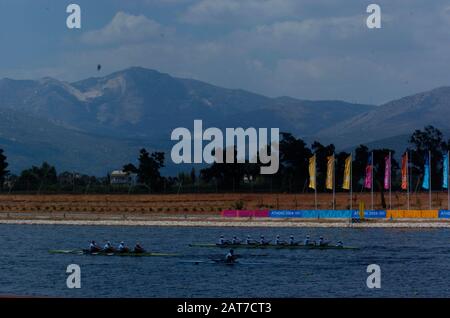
(371, 186)
(447, 176)
(351, 183)
(390, 181)
(429, 177)
(334, 190)
(315, 181)
(407, 178)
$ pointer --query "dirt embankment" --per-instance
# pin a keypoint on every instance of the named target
(98, 206)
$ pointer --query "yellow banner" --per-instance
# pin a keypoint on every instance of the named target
(347, 169)
(330, 168)
(312, 172)
(412, 214)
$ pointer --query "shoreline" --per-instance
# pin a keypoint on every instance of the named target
(222, 222)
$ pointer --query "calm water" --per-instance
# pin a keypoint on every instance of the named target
(414, 263)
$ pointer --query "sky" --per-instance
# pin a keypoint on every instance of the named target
(308, 49)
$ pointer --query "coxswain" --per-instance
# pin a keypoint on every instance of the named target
(138, 248)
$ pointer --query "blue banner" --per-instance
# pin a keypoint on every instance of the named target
(335, 214)
(375, 214)
(426, 174)
(444, 214)
(285, 214)
(325, 214)
(445, 172)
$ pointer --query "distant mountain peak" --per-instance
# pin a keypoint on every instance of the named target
(395, 118)
(144, 104)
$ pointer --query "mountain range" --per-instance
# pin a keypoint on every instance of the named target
(98, 124)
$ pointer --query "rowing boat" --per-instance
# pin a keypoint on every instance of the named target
(132, 254)
(272, 246)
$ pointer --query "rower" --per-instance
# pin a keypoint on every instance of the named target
(291, 240)
(322, 242)
(93, 247)
(138, 248)
(262, 241)
(108, 247)
(307, 240)
(278, 241)
(340, 244)
(230, 257)
(249, 241)
(122, 248)
(222, 240)
(235, 241)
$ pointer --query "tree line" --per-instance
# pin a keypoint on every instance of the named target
(292, 176)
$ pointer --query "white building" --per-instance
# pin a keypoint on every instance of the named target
(120, 177)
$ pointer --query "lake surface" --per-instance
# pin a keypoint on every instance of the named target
(414, 263)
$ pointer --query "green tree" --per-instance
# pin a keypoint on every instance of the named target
(193, 176)
(379, 167)
(423, 141)
(36, 178)
(3, 167)
(131, 168)
(294, 161)
(228, 175)
(149, 169)
(361, 157)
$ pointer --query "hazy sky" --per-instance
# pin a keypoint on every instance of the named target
(309, 49)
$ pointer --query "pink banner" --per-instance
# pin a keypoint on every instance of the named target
(368, 179)
(245, 213)
(229, 213)
(387, 172)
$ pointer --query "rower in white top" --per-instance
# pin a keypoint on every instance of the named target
(262, 241)
(250, 241)
(122, 248)
(108, 247)
(93, 247)
(292, 241)
(222, 241)
(307, 241)
(321, 242)
(235, 241)
(279, 241)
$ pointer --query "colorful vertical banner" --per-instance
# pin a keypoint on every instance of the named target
(368, 178)
(330, 169)
(405, 171)
(312, 172)
(387, 172)
(445, 172)
(347, 171)
(426, 174)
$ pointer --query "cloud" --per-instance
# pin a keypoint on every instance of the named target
(126, 28)
(306, 49)
(228, 11)
(167, 2)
